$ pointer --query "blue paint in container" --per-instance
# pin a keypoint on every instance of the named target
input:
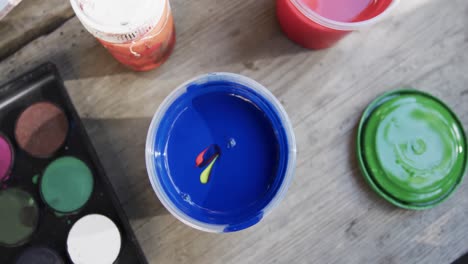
(255, 152)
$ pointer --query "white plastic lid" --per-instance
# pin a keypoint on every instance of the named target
(119, 21)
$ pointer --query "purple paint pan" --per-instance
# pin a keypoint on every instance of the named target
(6, 158)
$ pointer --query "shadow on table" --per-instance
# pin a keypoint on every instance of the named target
(120, 144)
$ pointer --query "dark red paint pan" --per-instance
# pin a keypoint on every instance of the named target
(41, 129)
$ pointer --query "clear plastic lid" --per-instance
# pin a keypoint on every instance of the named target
(304, 7)
(119, 21)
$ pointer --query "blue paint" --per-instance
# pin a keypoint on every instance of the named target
(253, 160)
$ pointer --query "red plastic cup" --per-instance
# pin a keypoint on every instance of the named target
(304, 24)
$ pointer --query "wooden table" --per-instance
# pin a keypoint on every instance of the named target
(329, 215)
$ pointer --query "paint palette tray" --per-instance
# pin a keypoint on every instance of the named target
(56, 203)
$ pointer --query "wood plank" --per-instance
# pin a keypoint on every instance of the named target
(329, 215)
(29, 20)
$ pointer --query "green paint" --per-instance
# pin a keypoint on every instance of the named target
(19, 215)
(205, 175)
(412, 149)
(35, 179)
(66, 185)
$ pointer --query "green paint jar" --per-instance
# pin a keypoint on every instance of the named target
(411, 149)
(66, 185)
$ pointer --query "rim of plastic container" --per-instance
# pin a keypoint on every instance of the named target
(150, 152)
(121, 34)
(348, 26)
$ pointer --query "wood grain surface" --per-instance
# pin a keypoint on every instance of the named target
(329, 215)
(29, 20)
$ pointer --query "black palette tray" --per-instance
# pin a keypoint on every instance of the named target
(45, 84)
